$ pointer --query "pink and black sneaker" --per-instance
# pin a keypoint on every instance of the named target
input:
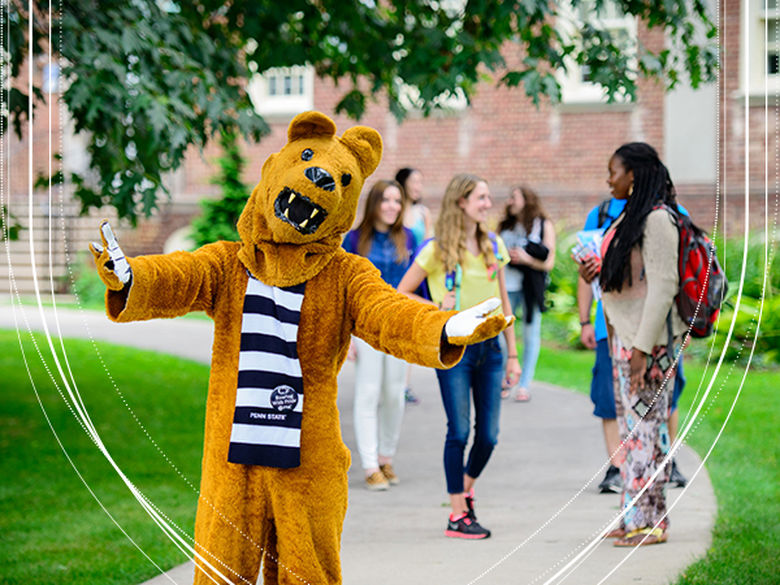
(464, 526)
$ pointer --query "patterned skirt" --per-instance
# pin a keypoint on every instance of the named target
(643, 423)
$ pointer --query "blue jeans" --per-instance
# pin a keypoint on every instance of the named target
(532, 336)
(679, 384)
(479, 373)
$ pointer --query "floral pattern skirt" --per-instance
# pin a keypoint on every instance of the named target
(643, 423)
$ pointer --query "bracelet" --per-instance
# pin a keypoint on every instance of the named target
(512, 356)
(583, 323)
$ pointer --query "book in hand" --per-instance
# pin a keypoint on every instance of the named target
(588, 245)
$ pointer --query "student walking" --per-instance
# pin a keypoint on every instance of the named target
(418, 218)
(464, 265)
(639, 280)
(593, 335)
(530, 237)
(379, 377)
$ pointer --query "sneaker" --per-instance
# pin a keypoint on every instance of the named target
(612, 482)
(410, 397)
(389, 473)
(465, 527)
(676, 478)
(377, 482)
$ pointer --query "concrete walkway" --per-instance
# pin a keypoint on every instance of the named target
(534, 494)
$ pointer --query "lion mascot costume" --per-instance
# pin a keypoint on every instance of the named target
(285, 301)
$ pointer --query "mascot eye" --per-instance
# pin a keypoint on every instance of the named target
(346, 179)
(307, 154)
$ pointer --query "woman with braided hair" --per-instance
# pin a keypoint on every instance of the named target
(639, 280)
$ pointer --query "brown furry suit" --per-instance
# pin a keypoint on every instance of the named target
(288, 519)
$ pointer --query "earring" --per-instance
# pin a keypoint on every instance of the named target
(630, 189)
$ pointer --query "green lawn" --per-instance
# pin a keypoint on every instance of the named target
(51, 530)
(742, 467)
(54, 532)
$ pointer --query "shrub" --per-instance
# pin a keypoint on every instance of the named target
(86, 282)
(561, 321)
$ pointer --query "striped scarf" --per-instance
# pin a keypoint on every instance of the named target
(269, 399)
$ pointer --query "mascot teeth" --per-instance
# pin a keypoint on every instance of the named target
(299, 211)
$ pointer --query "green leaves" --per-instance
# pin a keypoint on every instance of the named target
(148, 79)
(9, 224)
(219, 216)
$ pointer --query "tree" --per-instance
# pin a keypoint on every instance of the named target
(146, 79)
(219, 216)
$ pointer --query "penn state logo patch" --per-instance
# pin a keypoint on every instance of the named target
(284, 398)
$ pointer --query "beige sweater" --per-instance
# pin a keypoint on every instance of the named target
(637, 313)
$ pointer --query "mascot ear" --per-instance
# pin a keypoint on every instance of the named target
(366, 144)
(267, 164)
(309, 125)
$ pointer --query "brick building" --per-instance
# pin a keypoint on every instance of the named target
(560, 150)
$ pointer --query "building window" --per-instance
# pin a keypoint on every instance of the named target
(761, 46)
(447, 103)
(576, 83)
(770, 25)
(283, 91)
(771, 21)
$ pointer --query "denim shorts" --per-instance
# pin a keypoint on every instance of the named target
(602, 389)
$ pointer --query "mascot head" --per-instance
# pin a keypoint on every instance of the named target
(306, 199)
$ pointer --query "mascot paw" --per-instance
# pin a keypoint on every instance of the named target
(112, 266)
(474, 325)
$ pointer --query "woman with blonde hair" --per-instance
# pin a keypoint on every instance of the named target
(380, 378)
(464, 265)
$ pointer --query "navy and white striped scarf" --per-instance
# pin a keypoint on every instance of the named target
(269, 398)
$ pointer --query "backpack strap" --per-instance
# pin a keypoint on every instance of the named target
(494, 241)
(453, 281)
(603, 212)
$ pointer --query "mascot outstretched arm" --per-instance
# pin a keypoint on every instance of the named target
(285, 301)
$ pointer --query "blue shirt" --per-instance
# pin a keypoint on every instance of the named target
(384, 255)
(615, 208)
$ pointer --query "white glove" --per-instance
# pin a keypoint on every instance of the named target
(118, 263)
(466, 322)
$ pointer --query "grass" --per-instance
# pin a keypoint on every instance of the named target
(91, 304)
(742, 467)
(52, 530)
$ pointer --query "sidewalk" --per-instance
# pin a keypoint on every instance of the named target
(532, 495)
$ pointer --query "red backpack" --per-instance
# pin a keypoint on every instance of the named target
(703, 284)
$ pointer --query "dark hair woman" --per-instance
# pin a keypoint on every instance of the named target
(417, 216)
(530, 237)
(639, 280)
(380, 378)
